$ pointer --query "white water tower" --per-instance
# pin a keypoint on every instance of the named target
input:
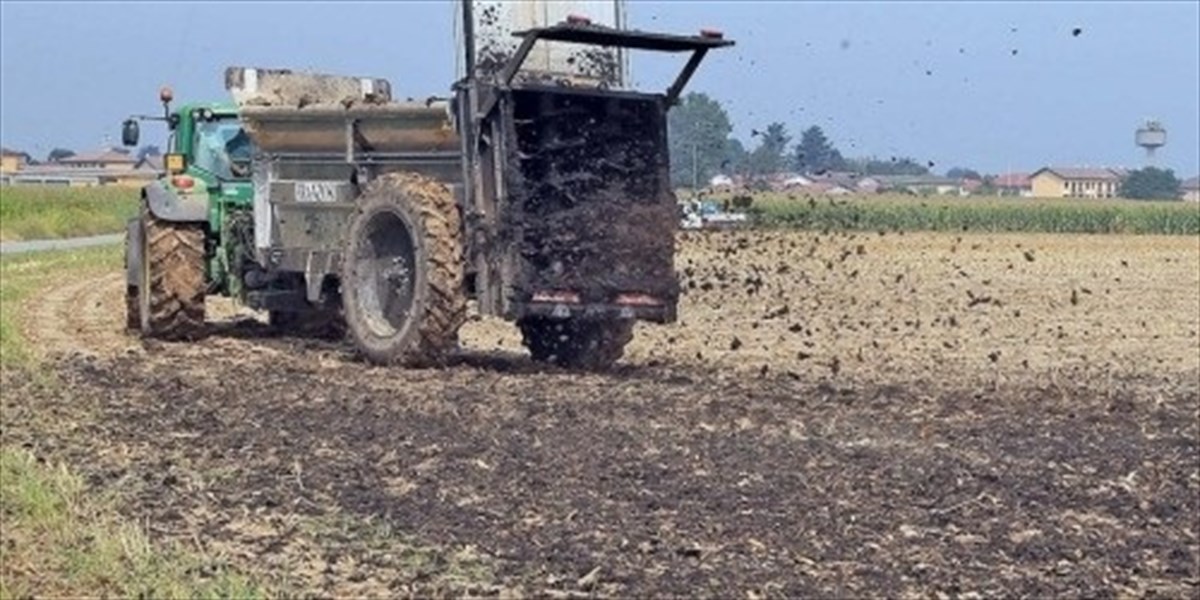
(1151, 136)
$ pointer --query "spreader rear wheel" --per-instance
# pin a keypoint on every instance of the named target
(402, 272)
(587, 344)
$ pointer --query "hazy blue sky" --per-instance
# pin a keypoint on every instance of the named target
(938, 81)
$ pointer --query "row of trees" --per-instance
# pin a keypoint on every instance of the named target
(1151, 183)
(703, 145)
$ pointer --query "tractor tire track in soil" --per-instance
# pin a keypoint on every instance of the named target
(84, 316)
(664, 476)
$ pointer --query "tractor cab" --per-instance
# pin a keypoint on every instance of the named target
(207, 148)
(218, 147)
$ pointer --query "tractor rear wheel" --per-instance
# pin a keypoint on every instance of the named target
(172, 284)
(133, 316)
(402, 272)
(587, 344)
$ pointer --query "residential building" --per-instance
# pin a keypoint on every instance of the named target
(106, 158)
(846, 181)
(52, 175)
(867, 185)
(920, 184)
(145, 170)
(718, 182)
(792, 180)
(134, 175)
(1013, 184)
(1191, 190)
(12, 161)
(1072, 182)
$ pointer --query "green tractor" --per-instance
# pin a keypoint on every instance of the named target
(192, 235)
(170, 263)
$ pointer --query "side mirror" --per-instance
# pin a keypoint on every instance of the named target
(130, 132)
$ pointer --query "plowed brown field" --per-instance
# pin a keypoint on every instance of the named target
(835, 415)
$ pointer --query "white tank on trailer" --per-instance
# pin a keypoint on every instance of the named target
(494, 21)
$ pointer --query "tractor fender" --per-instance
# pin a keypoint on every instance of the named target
(133, 252)
(169, 206)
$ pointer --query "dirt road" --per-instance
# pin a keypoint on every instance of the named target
(922, 468)
(63, 244)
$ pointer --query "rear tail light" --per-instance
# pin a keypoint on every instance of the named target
(638, 300)
(183, 182)
(556, 296)
(578, 20)
(712, 33)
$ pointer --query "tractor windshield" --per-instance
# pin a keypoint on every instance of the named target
(223, 149)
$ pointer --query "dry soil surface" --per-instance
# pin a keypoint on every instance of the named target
(835, 415)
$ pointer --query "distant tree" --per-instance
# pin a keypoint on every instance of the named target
(963, 173)
(768, 157)
(698, 130)
(989, 186)
(815, 153)
(150, 150)
(58, 154)
(892, 166)
(737, 159)
(1151, 183)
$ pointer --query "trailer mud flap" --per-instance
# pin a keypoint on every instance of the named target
(169, 206)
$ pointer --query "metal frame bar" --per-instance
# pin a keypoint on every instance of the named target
(595, 35)
(602, 36)
(518, 59)
(589, 92)
(681, 81)
(364, 157)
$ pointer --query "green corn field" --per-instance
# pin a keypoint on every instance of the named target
(976, 214)
(40, 212)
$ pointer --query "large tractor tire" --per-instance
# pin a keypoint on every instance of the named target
(323, 324)
(584, 344)
(402, 272)
(133, 316)
(172, 285)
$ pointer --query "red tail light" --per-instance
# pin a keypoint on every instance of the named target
(183, 182)
(712, 33)
(556, 296)
(578, 20)
(638, 300)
